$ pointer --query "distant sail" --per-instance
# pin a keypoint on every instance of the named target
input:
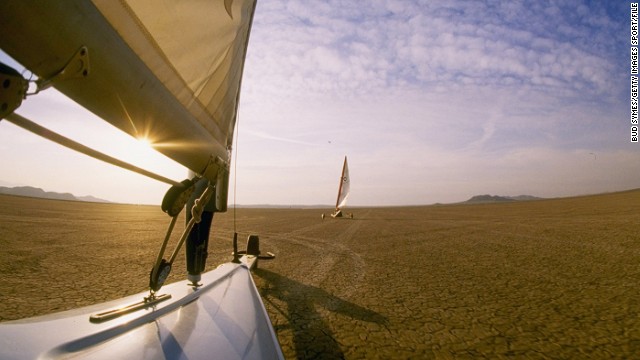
(345, 187)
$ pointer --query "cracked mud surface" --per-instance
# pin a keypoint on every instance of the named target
(544, 279)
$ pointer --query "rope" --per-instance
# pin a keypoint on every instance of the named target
(66, 142)
(235, 172)
(196, 213)
(156, 266)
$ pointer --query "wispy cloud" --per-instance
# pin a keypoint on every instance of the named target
(263, 135)
(341, 48)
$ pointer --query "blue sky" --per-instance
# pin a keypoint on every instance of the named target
(431, 102)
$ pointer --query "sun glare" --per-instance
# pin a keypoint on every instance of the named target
(140, 152)
(145, 153)
(145, 142)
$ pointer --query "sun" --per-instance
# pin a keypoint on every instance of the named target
(140, 151)
(145, 142)
(143, 151)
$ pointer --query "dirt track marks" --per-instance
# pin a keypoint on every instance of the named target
(321, 273)
(322, 250)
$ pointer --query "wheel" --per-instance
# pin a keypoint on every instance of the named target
(176, 197)
(253, 247)
(155, 283)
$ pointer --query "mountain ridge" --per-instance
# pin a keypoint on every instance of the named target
(478, 199)
(30, 191)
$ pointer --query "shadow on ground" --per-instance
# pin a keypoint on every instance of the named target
(301, 305)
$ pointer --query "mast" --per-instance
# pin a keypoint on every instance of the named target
(341, 182)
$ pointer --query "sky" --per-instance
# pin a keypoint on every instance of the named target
(431, 101)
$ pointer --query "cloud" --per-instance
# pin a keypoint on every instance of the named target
(341, 48)
(280, 138)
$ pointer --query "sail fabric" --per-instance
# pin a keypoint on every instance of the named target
(345, 186)
(166, 70)
(195, 48)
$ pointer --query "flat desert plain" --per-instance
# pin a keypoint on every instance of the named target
(555, 278)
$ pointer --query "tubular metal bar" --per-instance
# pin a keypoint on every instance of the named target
(156, 266)
(66, 142)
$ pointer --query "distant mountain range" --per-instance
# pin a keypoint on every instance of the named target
(495, 198)
(30, 191)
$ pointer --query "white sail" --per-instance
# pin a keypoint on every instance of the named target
(169, 71)
(345, 187)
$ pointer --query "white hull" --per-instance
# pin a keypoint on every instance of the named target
(224, 319)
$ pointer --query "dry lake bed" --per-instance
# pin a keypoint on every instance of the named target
(545, 279)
